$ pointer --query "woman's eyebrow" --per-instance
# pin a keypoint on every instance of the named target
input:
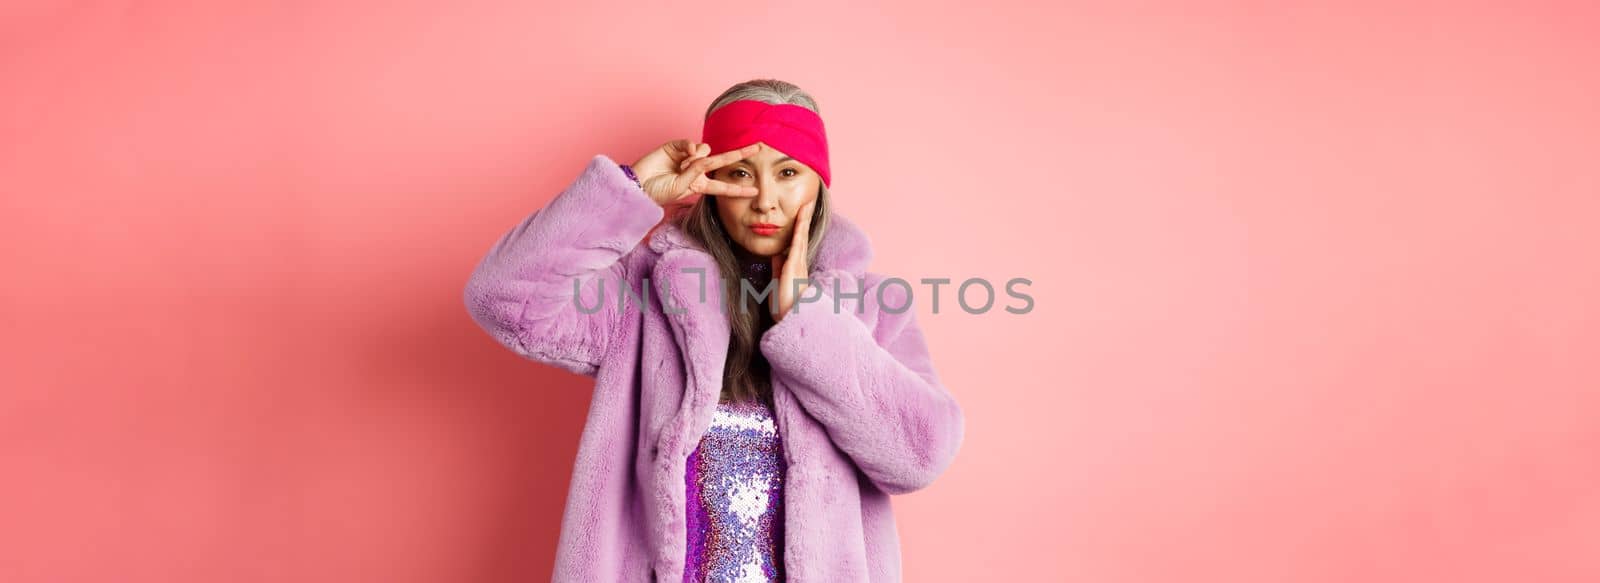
(779, 161)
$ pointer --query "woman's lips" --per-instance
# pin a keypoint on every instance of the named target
(764, 229)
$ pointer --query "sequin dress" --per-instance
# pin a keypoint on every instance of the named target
(735, 479)
(735, 502)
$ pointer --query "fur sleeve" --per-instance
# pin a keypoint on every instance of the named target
(873, 386)
(521, 292)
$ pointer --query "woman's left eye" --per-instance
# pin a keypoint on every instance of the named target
(740, 173)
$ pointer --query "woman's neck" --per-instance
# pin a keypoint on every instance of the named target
(757, 271)
(755, 268)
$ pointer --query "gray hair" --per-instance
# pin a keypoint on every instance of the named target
(766, 91)
(745, 373)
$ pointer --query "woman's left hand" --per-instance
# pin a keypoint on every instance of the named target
(791, 266)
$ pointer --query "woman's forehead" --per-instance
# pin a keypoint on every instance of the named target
(767, 156)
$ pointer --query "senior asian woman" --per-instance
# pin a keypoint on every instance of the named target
(733, 435)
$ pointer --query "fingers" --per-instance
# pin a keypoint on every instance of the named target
(719, 188)
(802, 227)
(706, 165)
(678, 148)
(802, 239)
(732, 156)
(695, 164)
(790, 267)
(695, 151)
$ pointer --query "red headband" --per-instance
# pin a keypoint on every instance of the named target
(792, 129)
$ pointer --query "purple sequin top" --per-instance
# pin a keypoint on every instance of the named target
(735, 484)
(735, 503)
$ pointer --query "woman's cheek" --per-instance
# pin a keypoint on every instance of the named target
(794, 198)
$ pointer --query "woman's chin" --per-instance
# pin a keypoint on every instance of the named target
(764, 246)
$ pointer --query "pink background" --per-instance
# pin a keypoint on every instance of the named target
(1315, 287)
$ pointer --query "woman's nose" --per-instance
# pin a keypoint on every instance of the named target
(767, 193)
(763, 202)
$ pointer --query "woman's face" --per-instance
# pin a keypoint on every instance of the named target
(784, 185)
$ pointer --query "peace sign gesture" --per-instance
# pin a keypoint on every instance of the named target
(791, 266)
(673, 172)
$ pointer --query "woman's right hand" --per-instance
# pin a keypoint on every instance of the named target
(673, 173)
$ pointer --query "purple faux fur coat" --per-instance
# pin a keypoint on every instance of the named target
(861, 411)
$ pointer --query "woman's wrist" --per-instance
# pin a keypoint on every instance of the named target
(628, 170)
